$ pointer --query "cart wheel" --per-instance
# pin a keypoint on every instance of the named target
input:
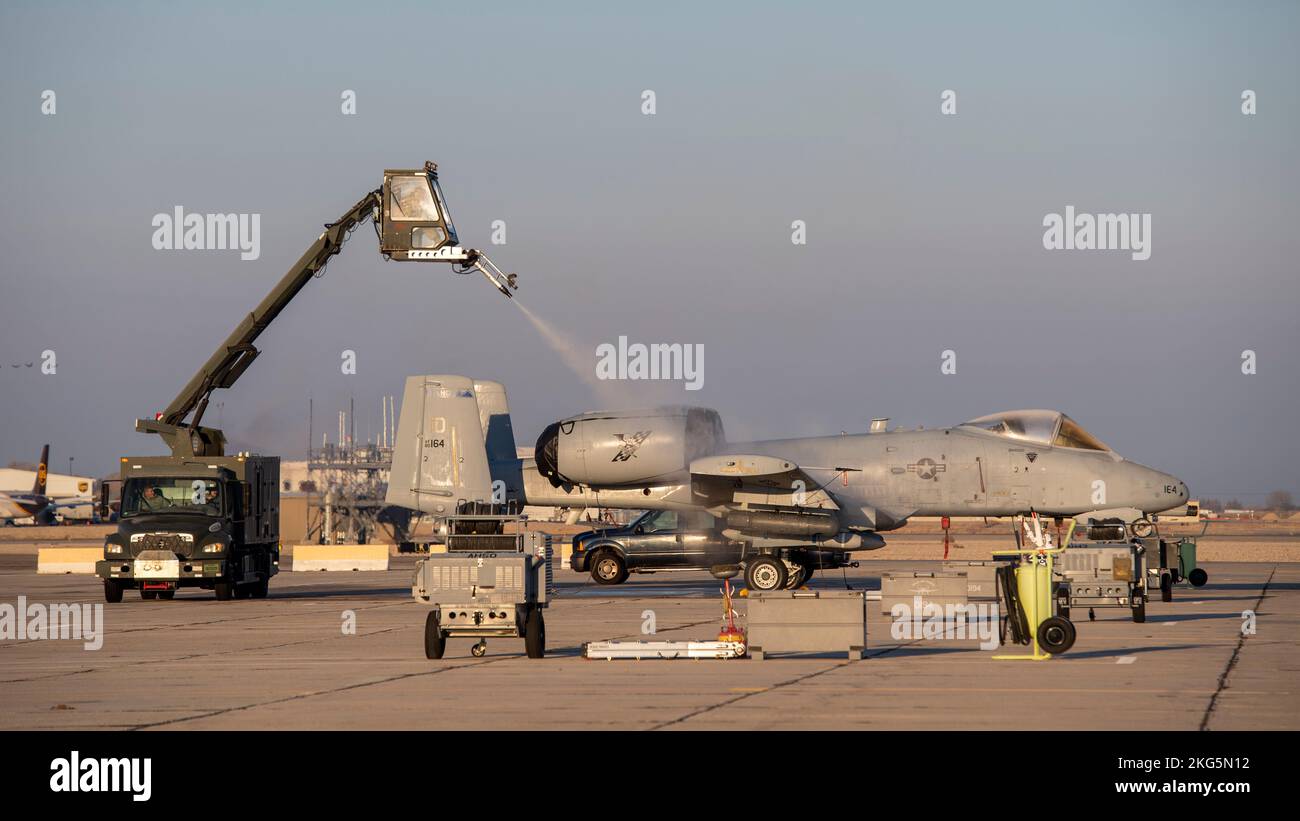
(1166, 587)
(535, 634)
(435, 643)
(1198, 577)
(112, 591)
(1092, 614)
(1139, 608)
(479, 650)
(1056, 635)
(765, 573)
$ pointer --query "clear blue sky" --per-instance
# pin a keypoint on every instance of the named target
(924, 230)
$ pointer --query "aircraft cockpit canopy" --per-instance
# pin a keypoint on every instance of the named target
(1040, 427)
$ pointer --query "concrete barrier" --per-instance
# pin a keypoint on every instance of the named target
(58, 560)
(340, 557)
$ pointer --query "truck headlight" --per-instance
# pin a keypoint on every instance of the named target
(112, 548)
(214, 547)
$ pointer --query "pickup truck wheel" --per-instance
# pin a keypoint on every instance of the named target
(112, 591)
(435, 643)
(765, 573)
(224, 590)
(608, 568)
(535, 634)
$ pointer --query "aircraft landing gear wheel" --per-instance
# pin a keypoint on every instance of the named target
(479, 650)
(112, 591)
(797, 579)
(1139, 608)
(1056, 635)
(435, 643)
(1198, 577)
(1166, 587)
(765, 573)
(535, 634)
(608, 568)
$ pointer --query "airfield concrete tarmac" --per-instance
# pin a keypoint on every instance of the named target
(286, 662)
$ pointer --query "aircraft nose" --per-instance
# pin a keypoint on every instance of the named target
(1171, 489)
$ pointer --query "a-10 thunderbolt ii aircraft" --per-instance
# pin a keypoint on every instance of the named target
(780, 498)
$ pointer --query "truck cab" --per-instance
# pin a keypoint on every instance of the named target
(210, 522)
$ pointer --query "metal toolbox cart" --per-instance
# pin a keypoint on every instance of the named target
(489, 583)
(940, 589)
(981, 577)
(1102, 574)
(806, 621)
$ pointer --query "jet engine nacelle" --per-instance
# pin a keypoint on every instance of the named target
(627, 448)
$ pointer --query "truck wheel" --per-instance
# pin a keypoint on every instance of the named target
(112, 591)
(435, 643)
(224, 590)
(608, 568)
(1198, 577)
(167, 595)
(1166, 587)
(241, 591)
(1139, 608)
(1056, 635)
(261, 589)
(765, 573)
(148, 595)
(535, 634)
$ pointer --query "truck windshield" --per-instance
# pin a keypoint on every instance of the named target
(171, 494)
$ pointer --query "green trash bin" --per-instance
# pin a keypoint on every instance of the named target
(1187, 568)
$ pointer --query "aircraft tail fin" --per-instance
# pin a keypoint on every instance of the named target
(494, 413)
(42, 471)
(439, 455)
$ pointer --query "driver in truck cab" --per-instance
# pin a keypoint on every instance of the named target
(152, 499)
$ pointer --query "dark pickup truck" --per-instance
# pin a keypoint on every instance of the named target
(662, 540)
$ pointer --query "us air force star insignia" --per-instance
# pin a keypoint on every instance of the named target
(1031, 456)
(927, 468)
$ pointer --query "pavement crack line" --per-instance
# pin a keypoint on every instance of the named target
(315, 693)
(1232, 660)
(727, 702)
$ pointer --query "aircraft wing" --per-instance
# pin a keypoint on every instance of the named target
(735, 478)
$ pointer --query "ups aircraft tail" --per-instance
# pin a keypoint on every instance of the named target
(42, 471)
(444, 431)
